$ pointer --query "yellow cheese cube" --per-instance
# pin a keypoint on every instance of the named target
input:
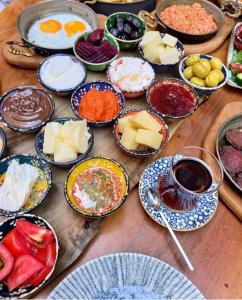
(151, 53)
(144, 120)
(169, 40)
(128, 138)
(151, 38)
(52, 130)
(149, 138)
(63, 152)
(123, 123)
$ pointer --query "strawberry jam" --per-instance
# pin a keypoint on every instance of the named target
(171, 99)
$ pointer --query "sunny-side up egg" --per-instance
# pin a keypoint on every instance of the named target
(57, 31)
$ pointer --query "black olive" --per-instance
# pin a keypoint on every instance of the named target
(127, 28)
(136, 23)
(130, 19)
(120, 24)
(124, 36)
(114, 32)
(119, 20)
(135, 35)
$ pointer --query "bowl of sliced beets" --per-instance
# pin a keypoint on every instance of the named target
(96, 49)
(28, 254)
(128, 29)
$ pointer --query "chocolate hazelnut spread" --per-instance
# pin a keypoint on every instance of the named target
(26, 107)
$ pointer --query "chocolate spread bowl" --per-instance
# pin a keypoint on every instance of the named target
(26, 108)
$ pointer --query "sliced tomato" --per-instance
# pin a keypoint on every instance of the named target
(16, 244)
(35, 235)
(24, 268)
(47, 257)
(6, 262)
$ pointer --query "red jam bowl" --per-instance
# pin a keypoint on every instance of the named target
(172, 99)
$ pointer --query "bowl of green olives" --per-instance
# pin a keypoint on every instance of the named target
(203, 72)
(127, 28)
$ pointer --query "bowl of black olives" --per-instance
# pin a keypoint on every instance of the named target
(128, 29)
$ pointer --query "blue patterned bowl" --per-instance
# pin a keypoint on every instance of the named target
(165, 68)
(76, 98)
(5, 227)
(39, 142)
(41, 187)
(3, 137)
(203, 90)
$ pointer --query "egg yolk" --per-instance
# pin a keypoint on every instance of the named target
(74, 27)
(50, 26)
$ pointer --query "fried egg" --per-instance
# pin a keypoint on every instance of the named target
(57, 31)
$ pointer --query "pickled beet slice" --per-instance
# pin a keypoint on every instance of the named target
(96, 36)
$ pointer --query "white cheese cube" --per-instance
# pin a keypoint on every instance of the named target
(169, 40)
(63, 152)
(151, 38)
(52, 130)
(170, 56)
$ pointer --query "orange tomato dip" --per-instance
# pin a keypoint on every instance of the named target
(193, 19)
(99, 106)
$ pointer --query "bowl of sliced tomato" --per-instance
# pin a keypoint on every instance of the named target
(28, 254)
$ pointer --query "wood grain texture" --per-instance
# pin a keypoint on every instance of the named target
(215, 250)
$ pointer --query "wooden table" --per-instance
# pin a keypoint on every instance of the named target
(215, 250)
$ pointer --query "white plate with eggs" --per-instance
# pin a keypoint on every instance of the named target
(54, 25)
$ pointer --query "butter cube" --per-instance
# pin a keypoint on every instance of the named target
(149, 138)
(144, 120)
(169, 40)
(63, 153)
(123, 123)
(151, 38)
(52, 130)
(128, 138)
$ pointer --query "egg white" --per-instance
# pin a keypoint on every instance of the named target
(57, 40)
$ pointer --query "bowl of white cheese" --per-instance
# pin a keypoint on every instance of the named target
(61, 74)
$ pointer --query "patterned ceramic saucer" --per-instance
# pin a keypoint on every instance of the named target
(193, 219)
(126, 276)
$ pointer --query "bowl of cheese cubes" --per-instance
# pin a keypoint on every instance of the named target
(64, 142)
(162, 51)
(140, 133)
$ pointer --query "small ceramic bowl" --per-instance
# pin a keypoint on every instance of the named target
(203, 90)
(159, 68)
(26, 111)
(98, 67)
(40, 189)
(44, 82)
(145, 151)
(39, 142)
(131, 93)
(116, 178)
(5, 227)
(175, 83)
(4, 142)
(78, 94)
(125, 44)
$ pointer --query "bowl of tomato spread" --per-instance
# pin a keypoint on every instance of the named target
(172, 99)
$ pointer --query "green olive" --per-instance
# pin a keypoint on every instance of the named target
(198, 81)
(216, 63)
(219, 74)
(205, 62)
(212, 80)
(191, 60)
(200, 70)
(188, 74)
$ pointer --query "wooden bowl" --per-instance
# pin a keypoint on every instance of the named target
(212, 9)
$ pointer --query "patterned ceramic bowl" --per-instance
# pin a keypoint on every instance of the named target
(203, 90)
(176, 83)
(159, 68)
(5, 227)
(60, 92)
(23, 115)
(39, 142)
(98, 67)
(102, 178)
(3, 141)
(144, 151)
(78, 94)
(125, 44)
(131, 93)
(41, 187)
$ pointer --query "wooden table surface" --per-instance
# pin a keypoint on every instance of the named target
(215, 250)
